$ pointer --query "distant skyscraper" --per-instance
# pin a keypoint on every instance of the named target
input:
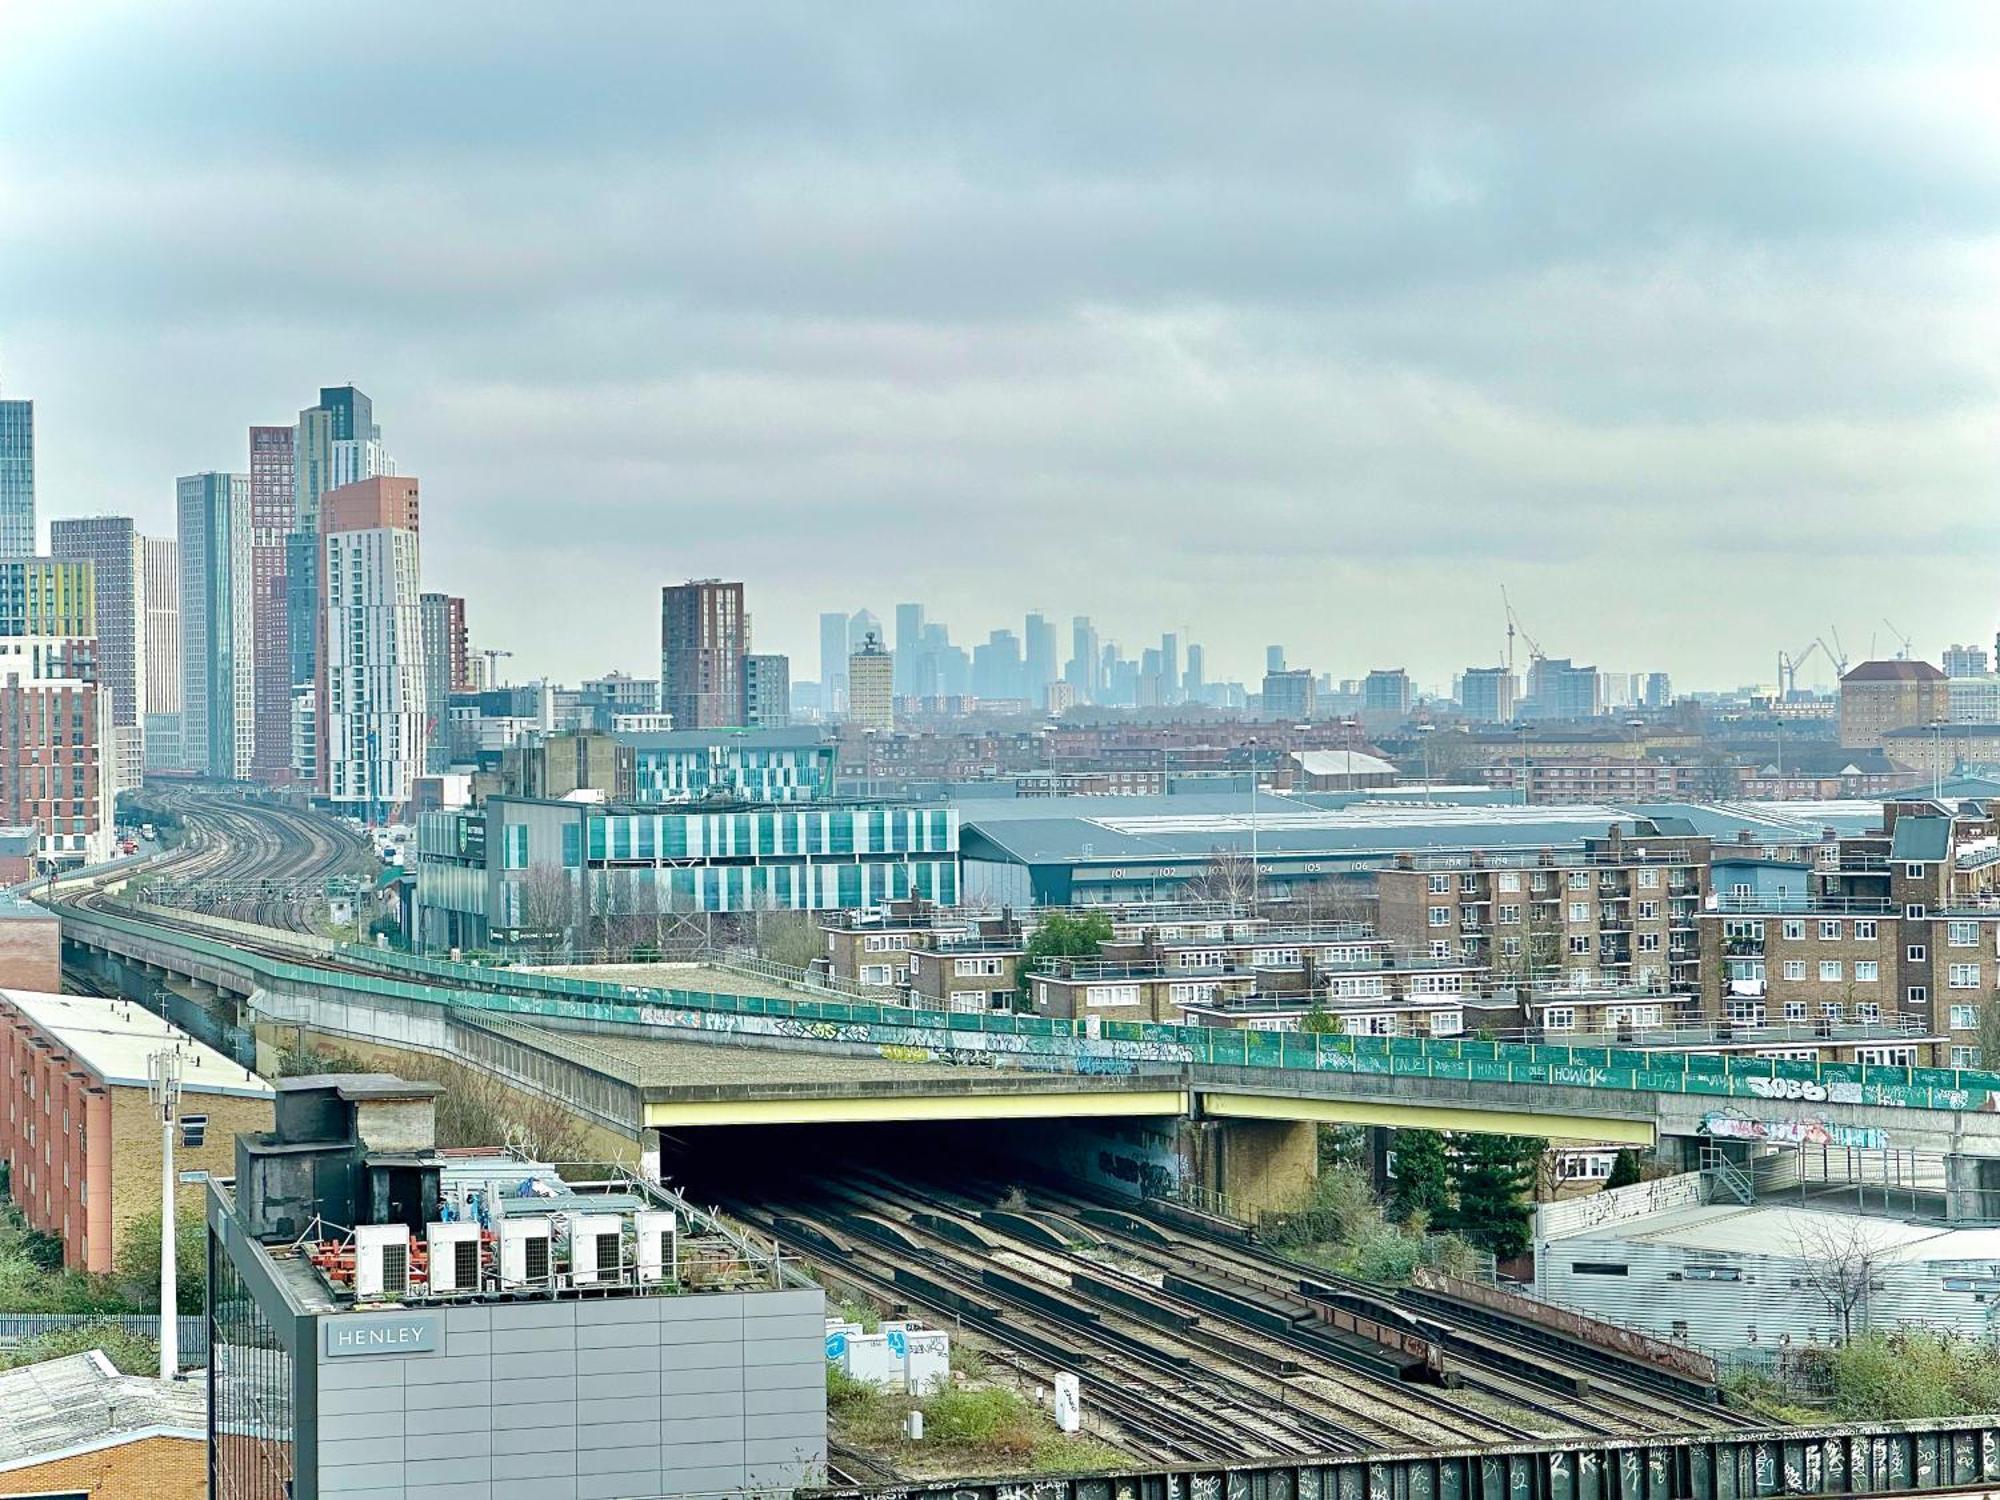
(1085, 671)
(1274, 659)
(336, 442)
(1386, 694)
(1194, 683)
(909, 635)
(273, 512)
(372, 712)
(997, 666)
(218, 680)
(17, 478)
(1487, 694)
(767, 691)
(871, 686)
(704, 636)
(1170, 668)
(860, 626)
(1039, 638)
(445, 672)
(833, 649)
(1659, 690)
(112, 547)
(1560, 689)
(1965, 661)
(160, 562)
(1290, 695)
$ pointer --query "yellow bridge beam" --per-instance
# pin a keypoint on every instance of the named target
(1554, 1127)
(892, 1109)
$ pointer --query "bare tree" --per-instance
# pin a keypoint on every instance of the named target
(1228, 879)
(1321, 902)
(548, 907)
(1840, 1256)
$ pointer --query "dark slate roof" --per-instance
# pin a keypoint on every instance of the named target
(1894, 671)
(1921, 838)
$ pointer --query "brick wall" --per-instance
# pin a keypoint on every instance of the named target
(135, 1153)
(31, 954)
(154, 1468)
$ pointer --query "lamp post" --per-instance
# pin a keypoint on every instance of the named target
(1424, 732)
(1937, 759)
(163, 1087)
(1253, 826)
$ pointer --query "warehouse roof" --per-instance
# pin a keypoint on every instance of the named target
(1342, 763)
(73, 1405)
(1042, 831)
(114, 1039)
(1733, 1229)
(1894, 671)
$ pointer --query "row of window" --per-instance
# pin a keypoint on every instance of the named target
(1510, 880)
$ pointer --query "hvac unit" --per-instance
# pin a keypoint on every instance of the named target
(526, 1256)
(596, 1249)
(454, 1257)
(381, 1260)
(657, 1258)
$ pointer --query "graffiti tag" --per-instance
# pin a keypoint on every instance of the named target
(1809, 1131)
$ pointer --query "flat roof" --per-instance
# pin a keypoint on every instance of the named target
(81, 1402)
(114, 1039)
(1778, 1230)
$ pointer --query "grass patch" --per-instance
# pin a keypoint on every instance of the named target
(967, 1427)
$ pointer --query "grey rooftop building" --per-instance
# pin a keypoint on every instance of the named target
(389, 1320)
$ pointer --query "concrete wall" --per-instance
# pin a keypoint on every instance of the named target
(585, 1401)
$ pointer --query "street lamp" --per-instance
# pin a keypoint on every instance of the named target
(1253, 826)
(1937, 759)
(163, 1087)
(1424, 734)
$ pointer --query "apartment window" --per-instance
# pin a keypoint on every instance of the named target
(1440, 884)
(1869, 1011)
(1830, 971)
(1111, 994)
(1829, 930)
(1648, 910)
(1579, 911)
(1914, 953)
(1914, 911)
(1886, 1057)
(1963, 976)
(1440, 916)
(1559, 1018)
(1469, 884)
(1746, 1013)
(1917, 994)
(1580, 943)
(1510, 882)
(1441, 948)
(875, 944)
(1914, 870)
(1795, 968)
(1795, 928)
(876, 973)
(1962, 934)
(1795, 1010)
(1866, 971)
(1864, 931)
(1510, 947)
(1649, 942)
(1579, 880)
(1649, 880)
(1965, 1057)
(1831, 1009)
(1509, 915)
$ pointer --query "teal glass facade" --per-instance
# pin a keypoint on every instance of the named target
(745, 772)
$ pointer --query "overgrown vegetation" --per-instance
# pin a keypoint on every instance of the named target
(791, 938)
(967, 1426)
(1347, 1228)
(1062, 935)
(138, 1265)
(32, 1279)
(1907, 1375)
(133, 1353)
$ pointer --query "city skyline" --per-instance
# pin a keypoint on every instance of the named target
(1570, 334)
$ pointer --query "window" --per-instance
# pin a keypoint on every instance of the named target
(876, 973)
(1964, 1017)
(1649, 880)
(1866, 971)
(1886, 1057)
(1559, 1018)
(1510, 882)
(875, 944)
(1579, 911)
(1510, 916)
(1713, 1273)
(1097, 995)
(1829, 930)
(1965, 1057)
(1598, 1268)
(1864, 931)
(1914, 870)
(1914, 911)
(1510, 947)
(1649, 942)
(1746, 1013)
(1962, 934)
(1831, 1010)
(1795, 968)
(1579, 880)
(1869, 1012)
(1469, 884)
(1831, 971)
(1440, 884)
(1915, 953)
(1440, 916)
(1441, 948)
(1648, 910)
(1917, 994)
(1795, 928)
(1963, 976)
(1795, 1010)
(1580, 943)
(969, 968)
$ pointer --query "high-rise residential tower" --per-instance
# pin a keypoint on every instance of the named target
(372, 715)
(273, 511)
(111, 546)
(767, 691)
(871, 686)
(445, 671)
(218, 672)
(1086, 668)
(160, 709)
(17, 478)
(909, 636)
(833, 649)
(704, 636)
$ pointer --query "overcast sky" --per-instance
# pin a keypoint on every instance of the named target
(1310, 323)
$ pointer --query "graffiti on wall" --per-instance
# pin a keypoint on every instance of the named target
(1810, 1130)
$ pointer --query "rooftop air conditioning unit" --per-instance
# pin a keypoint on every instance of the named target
(381, 1260)
(526, 1253)
(454, 1257)
(596, 1249)
(657, 1256)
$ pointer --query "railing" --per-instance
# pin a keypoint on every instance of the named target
(1090, 1046)
(1804, 903)
(1636, 850)
(191, 1329)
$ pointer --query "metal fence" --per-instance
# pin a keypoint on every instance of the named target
(18, 1328)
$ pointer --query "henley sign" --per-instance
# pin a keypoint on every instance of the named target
(383, 1333)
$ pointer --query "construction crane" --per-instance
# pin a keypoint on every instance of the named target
(1515, 627)
(492, 655)
(1836, 653)
(1902, 640)
(1788, 669)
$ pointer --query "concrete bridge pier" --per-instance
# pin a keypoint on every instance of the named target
(1254, 1166)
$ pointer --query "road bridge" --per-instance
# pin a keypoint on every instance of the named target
(933, 1066)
